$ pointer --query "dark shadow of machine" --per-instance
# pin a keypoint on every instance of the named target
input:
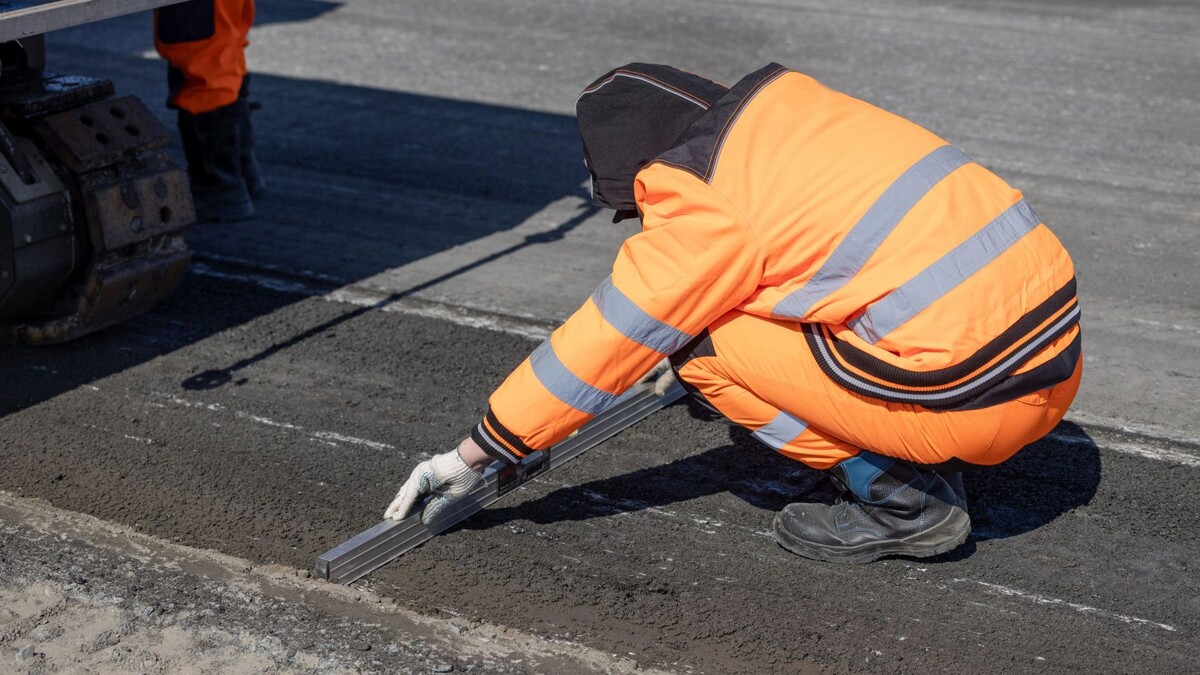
(428, 163)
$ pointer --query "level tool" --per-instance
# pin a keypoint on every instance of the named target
(373, 548)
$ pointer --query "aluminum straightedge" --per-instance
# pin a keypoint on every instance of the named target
(373, 548)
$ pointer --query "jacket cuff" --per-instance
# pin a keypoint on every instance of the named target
(498, 442)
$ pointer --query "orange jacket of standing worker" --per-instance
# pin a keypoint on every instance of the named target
(918, 277)
(205, 42)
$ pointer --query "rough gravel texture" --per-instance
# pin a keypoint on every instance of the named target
(656, 544)
(426, 185)
(79, 594)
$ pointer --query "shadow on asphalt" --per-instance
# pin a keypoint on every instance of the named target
(504, 164)
(218, 377)
(1043, 481)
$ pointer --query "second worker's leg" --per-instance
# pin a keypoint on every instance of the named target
(256, 185)
(211, 144)
(204, 42)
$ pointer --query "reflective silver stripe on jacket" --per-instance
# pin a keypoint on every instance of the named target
(780, 431)
(1019, 356)
(943, 276)
(564, 385)
(634, 323)
(871, 230)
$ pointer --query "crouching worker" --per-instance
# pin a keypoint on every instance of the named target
(843, 283)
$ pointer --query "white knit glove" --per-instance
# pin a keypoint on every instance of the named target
(663, 376)
(445, 476)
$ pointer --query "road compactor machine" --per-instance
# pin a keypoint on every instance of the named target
(92, 207)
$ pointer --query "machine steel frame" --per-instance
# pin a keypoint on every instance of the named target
(44, 17)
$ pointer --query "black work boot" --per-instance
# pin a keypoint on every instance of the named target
(212, 146)
(256, 185)
(889, 507)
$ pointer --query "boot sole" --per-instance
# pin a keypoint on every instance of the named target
(925, 544)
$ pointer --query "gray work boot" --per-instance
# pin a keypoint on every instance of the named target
(889, 507)
(212, 146)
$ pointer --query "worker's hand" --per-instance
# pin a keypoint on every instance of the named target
(447, 477)
(663, 376)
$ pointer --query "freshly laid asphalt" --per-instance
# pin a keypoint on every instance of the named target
(428, 221)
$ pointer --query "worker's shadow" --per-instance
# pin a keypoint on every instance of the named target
(1043, 481)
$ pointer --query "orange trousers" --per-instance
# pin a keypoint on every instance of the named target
(760, 374)
(204, 41)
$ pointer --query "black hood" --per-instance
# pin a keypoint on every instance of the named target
(631, 115)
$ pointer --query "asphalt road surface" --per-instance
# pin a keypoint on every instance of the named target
(428, 222)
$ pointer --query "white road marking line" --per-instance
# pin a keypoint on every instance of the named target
(264, 420)
(460, 316)
(1160, 455)
(139, 439)
(363, 297)
(253, 264)
(995, 609)
(269, 283)
(325, 437)
(1118, 425)
(1172, 456)
(1043, 600)
(216, 407)
(330, 436)
(1168, 326)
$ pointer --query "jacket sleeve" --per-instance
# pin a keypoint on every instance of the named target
(694, 260)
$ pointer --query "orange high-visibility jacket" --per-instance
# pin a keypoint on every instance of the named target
(919, 276)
